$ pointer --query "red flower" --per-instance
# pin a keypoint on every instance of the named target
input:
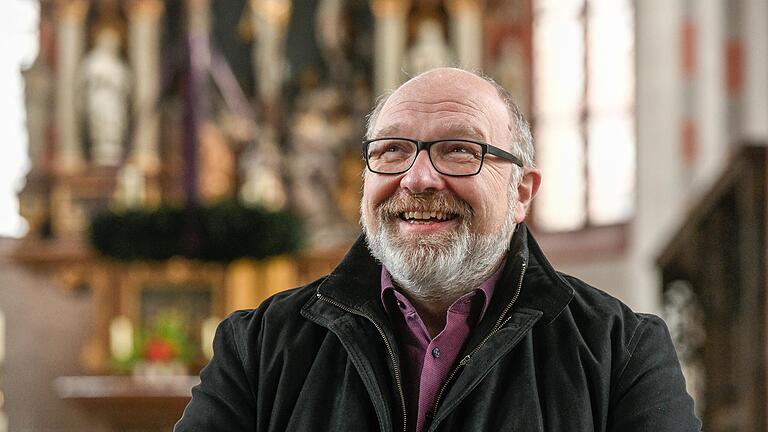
(159, 350)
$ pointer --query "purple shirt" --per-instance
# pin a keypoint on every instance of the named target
(427, 362)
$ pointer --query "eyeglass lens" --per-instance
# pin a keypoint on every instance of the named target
(389, 156)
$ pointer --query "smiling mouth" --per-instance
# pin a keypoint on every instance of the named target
(424, 217)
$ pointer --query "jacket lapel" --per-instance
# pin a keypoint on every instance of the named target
(347, 303)
(543, 295)
(483, 361)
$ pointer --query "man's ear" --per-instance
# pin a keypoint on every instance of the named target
(526, 190)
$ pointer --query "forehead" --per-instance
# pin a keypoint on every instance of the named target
(453, 103)
(455, 129)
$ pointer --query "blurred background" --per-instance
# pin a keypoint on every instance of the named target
(167, 162)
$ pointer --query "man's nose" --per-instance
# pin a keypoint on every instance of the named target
(422, 176)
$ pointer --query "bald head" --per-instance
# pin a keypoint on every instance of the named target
(482, 95)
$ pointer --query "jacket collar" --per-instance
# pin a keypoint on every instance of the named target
(544, 289)
(355, 282)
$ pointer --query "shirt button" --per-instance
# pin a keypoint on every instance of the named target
(436, 352)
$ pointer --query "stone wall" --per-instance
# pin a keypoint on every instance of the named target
(45, 330)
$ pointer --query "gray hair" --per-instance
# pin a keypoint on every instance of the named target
(519, 128)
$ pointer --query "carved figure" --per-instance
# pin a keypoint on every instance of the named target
(105, 84)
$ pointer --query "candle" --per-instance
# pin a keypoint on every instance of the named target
(133, 185)
(121, 338)
(207, 333)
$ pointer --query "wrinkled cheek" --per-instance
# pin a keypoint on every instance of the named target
(487, 229)
(492, 219)
(370, 218)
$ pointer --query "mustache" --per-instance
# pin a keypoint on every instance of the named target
(433, 202)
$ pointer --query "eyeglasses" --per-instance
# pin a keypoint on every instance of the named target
(452, 157)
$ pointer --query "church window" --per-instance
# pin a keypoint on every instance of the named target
(583, 114)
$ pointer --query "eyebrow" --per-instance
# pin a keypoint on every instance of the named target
(390, 130)
(464, 130)
(452, 130)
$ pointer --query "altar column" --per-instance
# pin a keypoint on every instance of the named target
(144, 53)
(754, 115)
(390, 31)
(709, 101)
(467, 31)
(270, 21)
(70, 37)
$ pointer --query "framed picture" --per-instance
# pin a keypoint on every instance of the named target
(191, 289)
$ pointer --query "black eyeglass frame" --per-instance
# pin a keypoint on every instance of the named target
(426, 145)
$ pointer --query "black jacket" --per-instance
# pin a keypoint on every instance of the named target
(551, 354)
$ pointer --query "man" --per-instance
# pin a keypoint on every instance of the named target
(445, 315)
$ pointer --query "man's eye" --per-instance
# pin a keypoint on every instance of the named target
(462, 149)
(396, 147)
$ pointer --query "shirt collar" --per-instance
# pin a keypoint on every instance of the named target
(484, 291)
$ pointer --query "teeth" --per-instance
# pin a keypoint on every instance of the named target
(423, 215)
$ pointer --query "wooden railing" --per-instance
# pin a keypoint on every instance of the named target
(714, 280)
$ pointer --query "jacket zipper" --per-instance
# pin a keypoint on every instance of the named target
(390, 351)
(499, 324)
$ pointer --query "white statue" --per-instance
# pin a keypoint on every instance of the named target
(320, 130)
(270, 20)
(332, 36)
(261, 164)
(105, 85)
(429, 50)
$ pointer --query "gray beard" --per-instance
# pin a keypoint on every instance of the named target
(441, 267)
